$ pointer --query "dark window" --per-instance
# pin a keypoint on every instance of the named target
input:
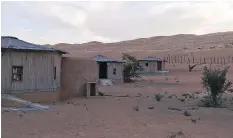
(146, 64)
(55, 73)
(114, 70)
(17, 73)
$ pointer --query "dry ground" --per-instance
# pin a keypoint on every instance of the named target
(116, 117)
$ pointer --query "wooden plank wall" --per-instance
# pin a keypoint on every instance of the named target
(38, 71)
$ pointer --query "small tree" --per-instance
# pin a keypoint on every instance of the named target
(215, 82)
(130, 66)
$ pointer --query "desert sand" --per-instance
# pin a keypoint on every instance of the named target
(117, 117)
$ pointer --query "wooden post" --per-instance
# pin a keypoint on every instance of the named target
(221, 60)
(168, 58)
(224, 60)
(172, 59)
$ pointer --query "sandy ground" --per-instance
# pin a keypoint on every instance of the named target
(115, 117)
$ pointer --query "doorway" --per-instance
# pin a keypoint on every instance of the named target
(92, 89)
(103, 70)
(159, 65)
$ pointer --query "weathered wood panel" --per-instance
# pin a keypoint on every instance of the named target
(38, 71)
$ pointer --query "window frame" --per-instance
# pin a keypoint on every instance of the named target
(54, 73)
(114, 71)
(17, 73)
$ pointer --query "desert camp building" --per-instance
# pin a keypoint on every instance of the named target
(29, 68)
(109, 68)
(151, 65)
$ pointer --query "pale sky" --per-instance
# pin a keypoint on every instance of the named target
(80, 22)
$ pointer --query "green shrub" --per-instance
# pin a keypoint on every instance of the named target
(215, 83)
(130, 66)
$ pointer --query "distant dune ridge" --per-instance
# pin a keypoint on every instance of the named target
(214, 44)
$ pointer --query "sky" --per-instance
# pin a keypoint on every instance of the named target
(81, 22)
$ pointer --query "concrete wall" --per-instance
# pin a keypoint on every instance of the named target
(119, 71)
(118, 77)
(152, 66)
(75, 73)
(38, 71)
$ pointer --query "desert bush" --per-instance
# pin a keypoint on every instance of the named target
(182, 99)
(191, 67)
(186, 113)
(130, 66)
(158, 97)
(215, 83)
(135, 108)
(151, 107)
(101, 94)
(176, 135)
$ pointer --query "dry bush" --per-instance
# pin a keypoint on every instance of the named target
(158, 97)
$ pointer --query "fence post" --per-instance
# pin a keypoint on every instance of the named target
(188, 60)
(229, 60)
(169, 58)
(224, 61)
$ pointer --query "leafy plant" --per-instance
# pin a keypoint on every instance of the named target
(130, 67)
(215, 83)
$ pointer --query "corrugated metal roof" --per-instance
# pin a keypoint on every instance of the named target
(9, 42)
(151, 59)
(100, 58)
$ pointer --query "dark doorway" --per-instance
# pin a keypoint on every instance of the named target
(103, 69)
(92, 89)
(159, 65)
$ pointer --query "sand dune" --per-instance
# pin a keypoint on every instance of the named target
(214, 44)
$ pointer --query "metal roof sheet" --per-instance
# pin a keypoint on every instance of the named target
(151, 59)
(100, 58)
(9, 42)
